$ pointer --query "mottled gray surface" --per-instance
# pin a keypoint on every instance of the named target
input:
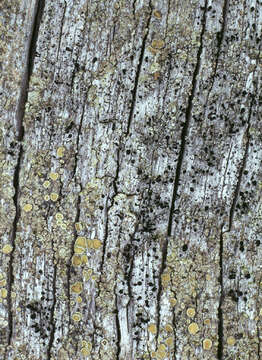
(130, 179)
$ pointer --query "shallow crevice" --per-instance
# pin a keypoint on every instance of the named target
(52, 317)
(138, 71)
(220, 38)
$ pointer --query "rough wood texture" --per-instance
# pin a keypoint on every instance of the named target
(130, 179)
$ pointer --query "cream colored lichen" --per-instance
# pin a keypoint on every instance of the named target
(7, 249)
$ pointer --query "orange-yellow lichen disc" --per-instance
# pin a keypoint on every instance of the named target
(7, 249)
(152, 328)
(76, 260)
(77, 287)
(193, 328)
(207, 344)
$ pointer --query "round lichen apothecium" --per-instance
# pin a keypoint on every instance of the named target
(77, 287)
(231, 340)
(169, 328)
(207, 344)
(7, 249)
(54, 196)
(191, 312)
(60, 151)
(193, 328)
(152, 328)
(28, 207)
(54, 176)
(77, 316)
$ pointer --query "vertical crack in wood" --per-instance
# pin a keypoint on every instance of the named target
(69, 265)
(138, 71)
(109, 207)
(118, 330)
(60, 34)
(77, 217)
(220, 309)
(241, 170)
(258, 345)
(186, 124)
(174, 334)
(180, 161)
(52, 317)
(29, 64)
(220, 38)
(16, 185)
(134, 8)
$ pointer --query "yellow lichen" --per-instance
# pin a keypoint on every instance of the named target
(47, 197)
(165, 279)
(152, 328)
(207, 344)
(76, 260)
(78, 226)
(169, 341)
(81, 242)
(90, 243)
(27, 207)
(79, 299)
(77, 316)
(3, 293)
(260, 312)
(78, 250)
(157, 14)
(54, 176)
(173, 301)
(169, 328)
(191, 312)
(3, 282)
(7, 249)
(60, 151)
(84, 259)
(193, 328)
(59, 216)
(231, 340)
(85, 351)
(46, 184)
(207, 321)
(96, 244)
(157, 44)
(54, 196)
(87, 274)
(77, 287)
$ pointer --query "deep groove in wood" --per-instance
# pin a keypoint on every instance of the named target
(16, 185)
(180, 161)
(138, 71)
(52, 319)
(186, 125)
(29, 64)
(220, 310)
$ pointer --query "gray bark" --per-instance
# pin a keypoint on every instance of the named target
(131, 179)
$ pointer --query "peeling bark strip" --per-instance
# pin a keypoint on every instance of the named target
(30, 54)
(168, 212)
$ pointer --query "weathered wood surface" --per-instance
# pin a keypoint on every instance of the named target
(130, 179)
